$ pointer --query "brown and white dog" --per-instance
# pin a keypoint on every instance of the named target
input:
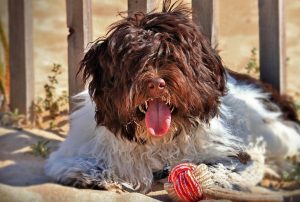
(159, 95)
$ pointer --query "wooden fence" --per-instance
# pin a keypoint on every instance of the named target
(79, 22)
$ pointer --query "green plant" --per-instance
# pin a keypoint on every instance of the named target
(13, 119)
(298, 107)
(252, 66)
(296, 97)
(4, 69)
(41, 148)
(294, 174)
(52, 105)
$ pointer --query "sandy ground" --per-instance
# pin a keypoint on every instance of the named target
(22, 177)
(18, 165)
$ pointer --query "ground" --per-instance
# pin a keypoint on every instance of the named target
(22, 177)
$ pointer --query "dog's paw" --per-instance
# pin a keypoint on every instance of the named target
(112, 187)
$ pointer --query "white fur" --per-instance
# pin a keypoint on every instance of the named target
(243, 124)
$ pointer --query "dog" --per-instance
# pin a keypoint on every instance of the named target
(159, 95)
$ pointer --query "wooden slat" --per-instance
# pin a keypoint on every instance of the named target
(272, 43)
(205, 15)
(140, 5)
(79, 22)
(21, 55)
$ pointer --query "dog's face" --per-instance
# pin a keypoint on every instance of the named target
(155, 73)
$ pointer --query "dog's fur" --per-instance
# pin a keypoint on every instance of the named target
(227, 121)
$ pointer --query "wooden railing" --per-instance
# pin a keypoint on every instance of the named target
(79, 22)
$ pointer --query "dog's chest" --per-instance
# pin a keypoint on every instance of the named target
(155, 157)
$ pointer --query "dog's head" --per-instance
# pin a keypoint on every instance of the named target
(154, 72)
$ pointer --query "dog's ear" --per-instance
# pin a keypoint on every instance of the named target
(212, 79)
(213, 62)
(96, 68)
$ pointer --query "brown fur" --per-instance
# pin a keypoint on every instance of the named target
(137, 49)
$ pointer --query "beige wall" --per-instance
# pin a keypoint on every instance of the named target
(238, 34)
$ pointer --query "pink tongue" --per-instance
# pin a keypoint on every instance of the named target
(158, 118)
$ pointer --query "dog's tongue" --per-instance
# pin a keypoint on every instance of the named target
(158, 118)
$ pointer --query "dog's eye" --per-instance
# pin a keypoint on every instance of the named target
(112, 80)
(146, 69)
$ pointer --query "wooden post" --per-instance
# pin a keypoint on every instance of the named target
(206, 16)
(272, 43)
(140, 5)
(79, 22)
(21, 55)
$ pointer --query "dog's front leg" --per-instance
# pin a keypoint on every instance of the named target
(82, 172)
(93, 178)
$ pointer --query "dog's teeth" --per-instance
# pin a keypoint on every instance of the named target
(141, 109)
(172, 109)
(146, 105)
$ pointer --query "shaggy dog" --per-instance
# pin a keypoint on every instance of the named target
(158, 96)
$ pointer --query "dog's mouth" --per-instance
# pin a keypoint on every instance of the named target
(157, 115)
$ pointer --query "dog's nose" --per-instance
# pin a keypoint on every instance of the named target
(156, 86)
